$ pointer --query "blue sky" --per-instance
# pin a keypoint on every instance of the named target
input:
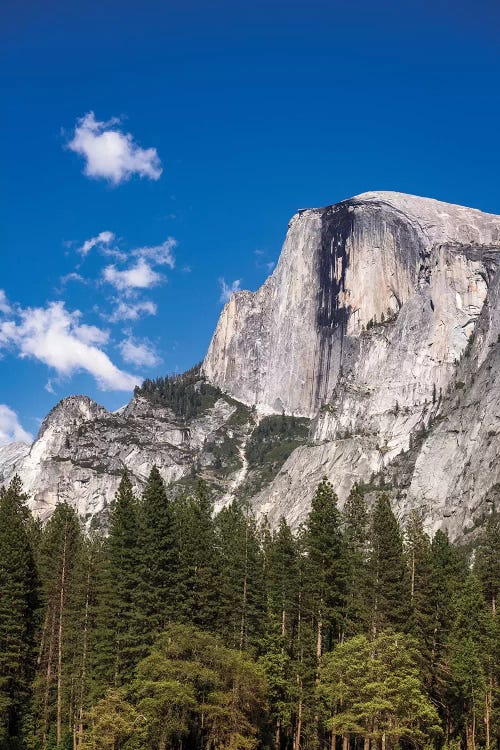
(212, 124)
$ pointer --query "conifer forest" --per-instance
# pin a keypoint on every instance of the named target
(180, 629)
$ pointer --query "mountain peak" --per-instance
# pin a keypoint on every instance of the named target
(71, 410)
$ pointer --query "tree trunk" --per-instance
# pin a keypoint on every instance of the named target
(366, 743)
(299, 716)
(244, 601)
(412, 575)
(319, 641)
(319, 648)
(59, 642)
(43, 636)
(48, 679)
(487, 710)
(345, 742)
(84, 664)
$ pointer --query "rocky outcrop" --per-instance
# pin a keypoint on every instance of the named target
(393, 288)
(381, 323)
(343, 268)
(82, 450)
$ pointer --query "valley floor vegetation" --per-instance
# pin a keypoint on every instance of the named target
(180, 630)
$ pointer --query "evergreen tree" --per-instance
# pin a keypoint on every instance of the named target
(373, 691)
(447, 574)
(389, 597)
(198, 581)
(487, 562)
(118, 638)
(356, 532)
(468, 659)
(159, 559)
(421, 620)
(326, 567)
(242, 591)
(18, 613)
(279, 659)
(60, 548)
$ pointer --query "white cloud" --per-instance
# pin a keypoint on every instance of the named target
(54, 336)
(103, 238)
(4, 304)
(227, 290)
(132, 310)
(110, 153)
(160, 255)
(140, 353)
(10, 429)
(73, 276)
(138, 276)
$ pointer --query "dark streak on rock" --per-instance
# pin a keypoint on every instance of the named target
(336, 226)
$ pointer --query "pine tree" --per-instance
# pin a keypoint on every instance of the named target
(279, 659)
(373, 690)
(54, 688)
(198, 580)
(448, 572)
(282, 576)
(487, 562)
(356, 530)
(83, 606)
(242, 591)
(468, 659)
(159, 559)
(389, 582)
(118, 645)
(326, 567)
(18, 613)
(421, 620)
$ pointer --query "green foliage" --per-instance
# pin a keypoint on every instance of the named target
(184, 630)
(487, 559)
(18, 611)
(419, 560)
(270, 444)
(60, 566)
(187, 395)
(373, 688)
(189, 687)
(241, 593)
(389, 597)
(356, 534)
(199, 559)
(325, 566)
(159, 558)
(274, 438)
(118, 638)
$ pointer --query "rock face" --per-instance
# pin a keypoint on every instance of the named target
(82, 450)
(341, 269)
(381, 323)
(365, 324)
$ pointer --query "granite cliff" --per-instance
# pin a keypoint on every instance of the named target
(380, 325)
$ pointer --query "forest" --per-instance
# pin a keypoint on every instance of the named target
(182, 630)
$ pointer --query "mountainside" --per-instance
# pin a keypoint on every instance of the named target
(380, 323)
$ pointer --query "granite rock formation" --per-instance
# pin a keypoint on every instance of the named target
(380, 324)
